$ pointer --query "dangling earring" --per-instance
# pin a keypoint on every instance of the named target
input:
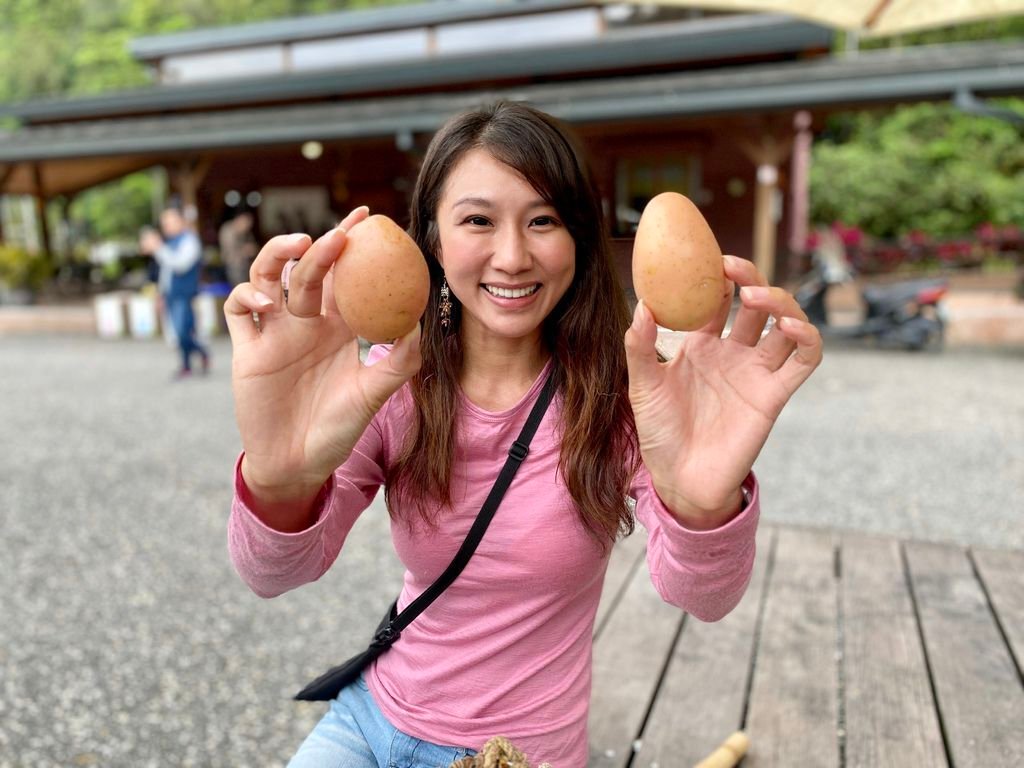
(445, 305)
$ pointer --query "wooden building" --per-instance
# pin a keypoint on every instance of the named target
(312, 116)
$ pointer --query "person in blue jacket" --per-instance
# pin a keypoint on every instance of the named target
(179, 255)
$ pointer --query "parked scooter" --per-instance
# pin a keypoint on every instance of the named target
(908, 314)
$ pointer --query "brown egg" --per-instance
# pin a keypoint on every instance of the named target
(677, 264)
(381, 282)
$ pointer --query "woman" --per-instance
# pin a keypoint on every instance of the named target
(513, 234)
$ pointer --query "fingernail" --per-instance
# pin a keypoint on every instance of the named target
(297, 238)
(789, 322)
(730, 260)
(354, 211)
(752, 293)
(263, 300)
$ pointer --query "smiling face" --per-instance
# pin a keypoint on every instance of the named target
(506, 253)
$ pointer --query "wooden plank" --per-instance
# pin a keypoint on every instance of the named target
(793, 708)
(629, 656)
(981, 701)
(1002, 572)
(704, 691)
(890, 716)
(624, 560)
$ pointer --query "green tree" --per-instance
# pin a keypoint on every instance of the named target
(927, 167)
(74, 47)
(1006, 28)
(115, 210)
(924, 166)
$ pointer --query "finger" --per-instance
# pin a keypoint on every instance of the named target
(641, 350)
(265, 272)
(310, 287)
(306, 279)
(386, 376)
(809, 351)
(239, 306)
(757, 304)
(775, 347)
(354, 217)
(748, 323)
(717, 324)
(771, 300)
(329, 306)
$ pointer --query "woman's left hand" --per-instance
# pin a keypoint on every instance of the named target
(703, 416)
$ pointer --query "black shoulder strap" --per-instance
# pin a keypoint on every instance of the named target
(520, 448)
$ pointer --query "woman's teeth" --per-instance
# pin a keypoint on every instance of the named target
(511, 293)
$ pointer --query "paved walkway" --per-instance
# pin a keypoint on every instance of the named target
(126, 639)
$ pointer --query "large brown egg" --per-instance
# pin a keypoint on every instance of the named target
(381, 282)
(677, 264)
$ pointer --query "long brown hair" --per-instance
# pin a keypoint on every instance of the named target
(599, 450)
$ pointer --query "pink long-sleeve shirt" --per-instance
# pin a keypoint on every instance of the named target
(506, 649)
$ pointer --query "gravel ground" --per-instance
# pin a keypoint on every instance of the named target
(127, 640)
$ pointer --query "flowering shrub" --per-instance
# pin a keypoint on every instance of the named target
(917, 248)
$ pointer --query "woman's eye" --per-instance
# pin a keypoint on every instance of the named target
(477, 221)
(544, 221)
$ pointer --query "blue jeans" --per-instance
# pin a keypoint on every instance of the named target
(179, 308)
(355, 734)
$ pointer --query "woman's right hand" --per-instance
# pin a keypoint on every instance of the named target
(302, 396)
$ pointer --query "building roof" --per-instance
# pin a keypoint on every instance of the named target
(663, 44)
(77, 155)
(885, 76)
(341, 23)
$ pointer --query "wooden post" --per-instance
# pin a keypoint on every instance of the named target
(764, 219)
(186, 186)
(188, 175)
(40, 198)
(800, 169)
(766, 156)
(69, 241)
(5, 174)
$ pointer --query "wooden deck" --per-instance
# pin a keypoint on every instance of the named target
(847, 650)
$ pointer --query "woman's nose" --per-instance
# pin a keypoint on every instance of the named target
(511, 252)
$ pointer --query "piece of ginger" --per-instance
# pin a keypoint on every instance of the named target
(498, 752)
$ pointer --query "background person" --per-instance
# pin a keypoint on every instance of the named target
(511, 225)
(178, 253)
(238, 246)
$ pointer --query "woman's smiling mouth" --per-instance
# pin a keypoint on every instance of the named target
(511, 293)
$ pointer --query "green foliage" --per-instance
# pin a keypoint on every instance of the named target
(1006, 28)
(116, 210)
(76, 47)
(20, 269)
(1009, 28)
(927, 167)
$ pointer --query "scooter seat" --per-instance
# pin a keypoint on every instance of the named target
(898, 293)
